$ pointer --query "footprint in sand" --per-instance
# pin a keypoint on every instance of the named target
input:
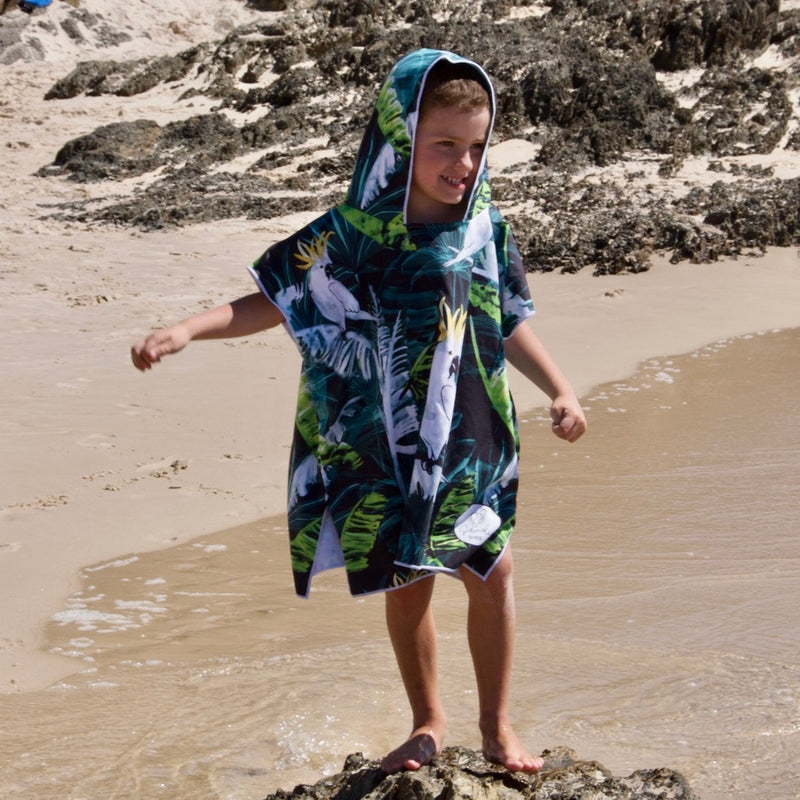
(131, 409)
(96, 440)
(77, 383)
(40, 503)
(163, 469)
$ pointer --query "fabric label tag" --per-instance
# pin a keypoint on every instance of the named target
(477, 524)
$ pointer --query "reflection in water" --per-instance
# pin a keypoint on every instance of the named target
(657, 570)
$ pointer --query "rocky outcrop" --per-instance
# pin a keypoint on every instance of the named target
(713, 33)
(462, 773)
(125, 78)
(24, 37)
(592, 84)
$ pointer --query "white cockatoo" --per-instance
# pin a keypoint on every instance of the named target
(330, 296)
(436, 420)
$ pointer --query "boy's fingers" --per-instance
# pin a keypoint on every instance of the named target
(561, 420)
(577, 427)
(562, 428)
(137, 360)
(142, 357)
(568, 427)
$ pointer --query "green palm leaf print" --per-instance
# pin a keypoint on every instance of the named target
(303, 546)
(361, 530)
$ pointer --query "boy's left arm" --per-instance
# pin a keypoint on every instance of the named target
(527, 353)
(242, 317)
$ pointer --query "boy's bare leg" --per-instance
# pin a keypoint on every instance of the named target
(409, 618)
(490, 627)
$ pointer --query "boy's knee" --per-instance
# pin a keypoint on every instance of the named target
(497, 584)
(503, 568)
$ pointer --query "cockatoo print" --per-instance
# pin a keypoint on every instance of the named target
(436, 420)
(479, 233)
(330, 296)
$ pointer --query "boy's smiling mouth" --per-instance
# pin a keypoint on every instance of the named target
(454, 182)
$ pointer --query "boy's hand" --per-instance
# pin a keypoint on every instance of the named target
(568, 418)
(161, 343)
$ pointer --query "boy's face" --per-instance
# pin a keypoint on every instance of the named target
(448, 147)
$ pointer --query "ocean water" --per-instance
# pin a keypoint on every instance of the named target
(657, 572)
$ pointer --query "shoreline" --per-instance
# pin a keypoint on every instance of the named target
(113, 462)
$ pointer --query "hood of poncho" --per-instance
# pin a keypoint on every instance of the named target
(382, 175)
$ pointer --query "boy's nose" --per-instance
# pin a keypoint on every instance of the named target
(465, 159)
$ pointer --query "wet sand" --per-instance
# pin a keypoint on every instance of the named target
(657, 575)
(101, 460)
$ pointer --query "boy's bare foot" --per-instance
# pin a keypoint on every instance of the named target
(423, 744)
(506, 749)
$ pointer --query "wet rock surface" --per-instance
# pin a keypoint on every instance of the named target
(459, 772)
(654, 126)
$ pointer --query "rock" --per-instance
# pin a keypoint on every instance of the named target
(125, 78)
(739, 113)
(14, 46)
(462, 773)
(86, 78)
(25, 37)
(713, 33)
(127, 149)
(119, 150)
(752, 220)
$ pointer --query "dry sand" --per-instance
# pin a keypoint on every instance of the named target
(100, 461)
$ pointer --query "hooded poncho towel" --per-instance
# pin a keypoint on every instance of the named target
(404, 458)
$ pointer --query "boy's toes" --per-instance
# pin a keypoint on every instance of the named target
(520, 763)
(525, 764)
(414, 753)
(511, 753)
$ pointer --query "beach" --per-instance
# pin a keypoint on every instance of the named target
(101, 460)
(106, 470)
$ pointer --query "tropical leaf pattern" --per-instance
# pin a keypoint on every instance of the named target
(360, 530)
(404, 457)
(304, 546)
(391, 120)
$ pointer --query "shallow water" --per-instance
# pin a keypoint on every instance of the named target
(657, 579)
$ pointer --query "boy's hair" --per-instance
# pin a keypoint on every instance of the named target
(456, 85)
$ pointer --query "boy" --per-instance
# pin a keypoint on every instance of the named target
(404, 302)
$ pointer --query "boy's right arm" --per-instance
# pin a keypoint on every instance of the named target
(242, 317)
(527, 353)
